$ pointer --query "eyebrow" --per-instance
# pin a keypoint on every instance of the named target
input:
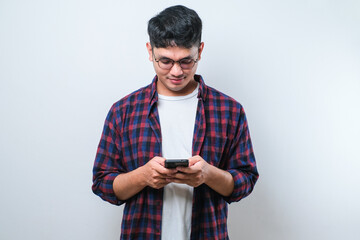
(163, 57)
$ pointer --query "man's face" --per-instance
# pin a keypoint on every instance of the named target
(175, 81)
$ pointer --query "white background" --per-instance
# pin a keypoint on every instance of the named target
(294, 66)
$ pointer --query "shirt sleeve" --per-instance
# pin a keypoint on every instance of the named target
(107, 164)
(241, 161)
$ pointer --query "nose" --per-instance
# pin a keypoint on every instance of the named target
(176, 69)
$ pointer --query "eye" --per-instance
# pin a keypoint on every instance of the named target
(166, 61)
(186, 61)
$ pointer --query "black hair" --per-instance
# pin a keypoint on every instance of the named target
(175, 26)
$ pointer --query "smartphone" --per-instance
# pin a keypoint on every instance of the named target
(173, 163)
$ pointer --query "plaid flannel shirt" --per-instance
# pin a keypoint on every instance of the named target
(132, 136)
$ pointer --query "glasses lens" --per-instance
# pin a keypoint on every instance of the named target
(187, 63)
(165, 63)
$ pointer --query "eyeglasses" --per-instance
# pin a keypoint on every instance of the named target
(167, 63)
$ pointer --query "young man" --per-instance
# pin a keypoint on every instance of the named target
(177, 116)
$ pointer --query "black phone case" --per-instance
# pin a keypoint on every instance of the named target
(173, 163)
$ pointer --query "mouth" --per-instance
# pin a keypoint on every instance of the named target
(176, 80)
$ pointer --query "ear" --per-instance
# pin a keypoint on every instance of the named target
(201, 48)
(149, 49)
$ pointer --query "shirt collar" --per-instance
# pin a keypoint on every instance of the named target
(201, 95)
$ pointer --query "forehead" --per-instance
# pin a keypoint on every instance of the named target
(175, 52)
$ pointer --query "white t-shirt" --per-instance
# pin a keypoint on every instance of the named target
(177, 120)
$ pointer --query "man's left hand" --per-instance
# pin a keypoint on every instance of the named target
(199, 172)
(195, 174)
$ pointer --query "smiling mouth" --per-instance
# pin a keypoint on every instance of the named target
(176, 80)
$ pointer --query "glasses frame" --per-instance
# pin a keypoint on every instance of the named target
(173, 62)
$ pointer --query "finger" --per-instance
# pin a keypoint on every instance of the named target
(184, 176)
(195, 159)
(187, 170)
(160, 168)
(163, 176)
(159, 183)
(159, 160)
(166, 171)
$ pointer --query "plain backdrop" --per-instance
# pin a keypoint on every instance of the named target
(293, 65)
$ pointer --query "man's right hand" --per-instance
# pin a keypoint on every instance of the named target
(152, 174)
(155, 173)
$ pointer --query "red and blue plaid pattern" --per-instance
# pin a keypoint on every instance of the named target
(132, 136)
